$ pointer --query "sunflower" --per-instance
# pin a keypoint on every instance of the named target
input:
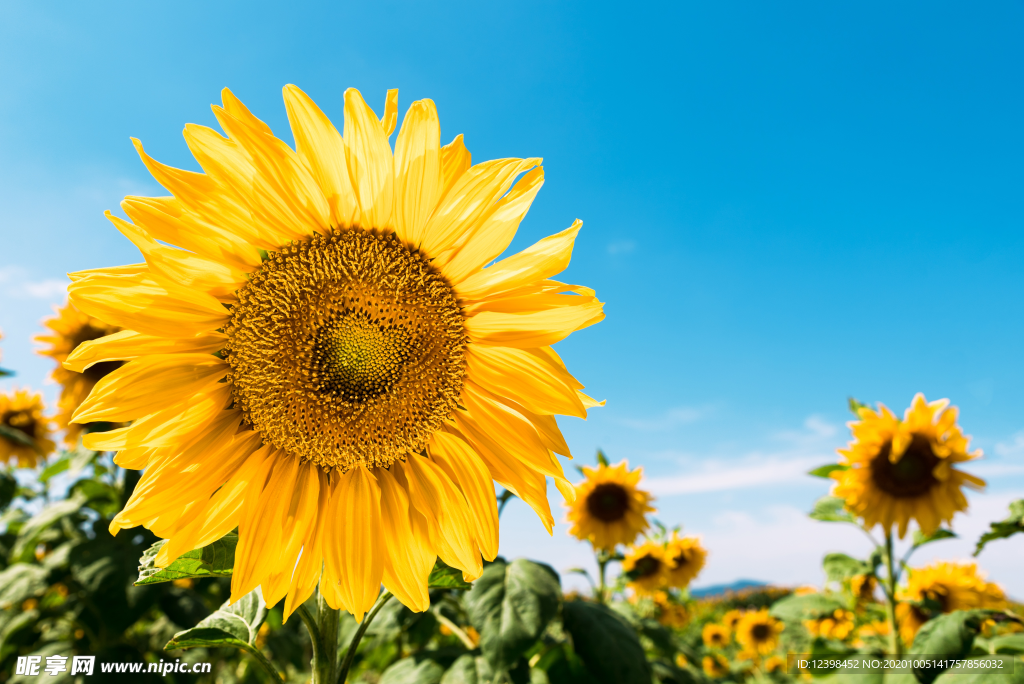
(321, 359)
(71, 328)
(645, 567)
(731, 619)
(943, 587)
(609, 508)
(758, 631)
(715, 635)
(670, 612)
(835, 625)
(715, 665)
(903, 469)
(775, 664)
(863, 587)
(23, 410)
(685, 557)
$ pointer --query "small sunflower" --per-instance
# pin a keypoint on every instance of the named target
(681, 660)
(645, 566)
(609, 508)
(775, 664)
(944, 587)
(670, 612)
(731, 619)
(715, 635)
(836, 625)
(22, 410)
(863, 587)
(323, 357)
(903, 470)
(685, 557)
(715, 665)
(69, 329)
(758, 631)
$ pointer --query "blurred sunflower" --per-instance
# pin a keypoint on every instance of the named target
(71, 328)
(775, 664)
(836, 625)
(685, 557)
(902, 470)
(325, 362)
(715, 665)
(609, 508)
(863, 587)
(943, 587)
(731, 619)
(715, 635)
(670, 613)
(645, 567)
(22, 410)
(758, 631)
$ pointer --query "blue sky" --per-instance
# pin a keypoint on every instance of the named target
(783, 205)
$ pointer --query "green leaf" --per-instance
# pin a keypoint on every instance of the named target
(510, 605)
(601, 458)
(839, 567)
(30, 532)
(55, 468)
(19, 582)
(1005, 528)
(796, 609)
(950, 635)
(922, 539)
(1007, 643)
(421, 668)
(468, 669)
(607, 645)
(235, 624)
(826, 470)
(8, 489)
(855, 406)
(4, 373)
(831, 509)
(445, 577)
(215, 560)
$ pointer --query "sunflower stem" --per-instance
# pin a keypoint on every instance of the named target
(358, 636)
(603, 559)
(457, 631)
(895, 645)
(324, 635)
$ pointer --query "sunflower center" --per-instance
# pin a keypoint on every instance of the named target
(608, 502)
(647, 566)
(20, 420)
(911, 475)
(347, 348)
(760, 632)
(679, 561)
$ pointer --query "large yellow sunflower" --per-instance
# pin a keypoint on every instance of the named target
(22, 410)
(69, 329)
(323, 358)
(758, 632)
(943, 587)
(903, 469)
(609, 508)
(645, 566)
(685, 557)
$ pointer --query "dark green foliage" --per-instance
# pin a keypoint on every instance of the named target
(607, 644)
(1004, 528)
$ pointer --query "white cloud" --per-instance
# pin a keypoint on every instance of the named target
(674, 417)
(756, 472)
(15, 283)
(1014, 447)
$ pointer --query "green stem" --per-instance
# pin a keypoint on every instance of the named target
(325, 661)
(895, 645)
(358, 636)
(257, 654)
(602, 586)
(457, 631)
(504, 499)
(314, 633)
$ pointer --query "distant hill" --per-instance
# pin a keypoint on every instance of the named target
(717, 589)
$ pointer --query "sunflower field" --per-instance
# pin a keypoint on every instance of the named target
(284, 441)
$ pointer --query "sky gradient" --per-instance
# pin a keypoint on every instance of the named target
(783, 205)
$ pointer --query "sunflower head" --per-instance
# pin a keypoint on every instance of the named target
(731, 619)
(68, 330)
(670, 612)
(758, 631)
(863, 587)
(903, 470)
(609, 508)
(944, 587)
(715, 635)
(836, 625)
(22, 410)
(715, 665)
(322, 351)
(685, 557)
(645, 566)
(775, 664)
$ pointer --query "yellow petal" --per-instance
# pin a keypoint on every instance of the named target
(464, 466)
(537, 329)
(541, 260)
(370, 162)
(471, 198)
(390, 117)
(455, 161)
(525, 376)
(259, 528)
(128, 344)
(322, 149)
(353, 541)
(148, 384)
(307, 571)
(171, 425)
(418, 180)
(409, 557)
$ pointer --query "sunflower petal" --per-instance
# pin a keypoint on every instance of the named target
(353, 540)
(370, 162)
(418, 180)
(409, 556)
